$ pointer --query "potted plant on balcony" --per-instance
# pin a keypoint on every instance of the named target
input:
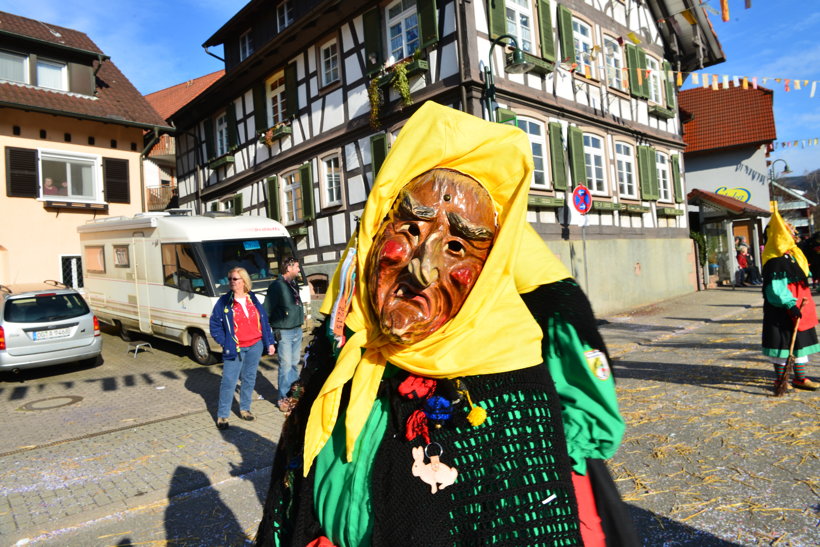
(273, 134)
(398, 77)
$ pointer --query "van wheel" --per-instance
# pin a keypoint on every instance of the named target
(122, 331)
(200, 349)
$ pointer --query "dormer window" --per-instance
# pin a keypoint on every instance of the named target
(52, 74)
(245, 46)
(13, 67)
(284, 15)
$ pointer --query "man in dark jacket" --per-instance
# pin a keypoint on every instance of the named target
(286, 314)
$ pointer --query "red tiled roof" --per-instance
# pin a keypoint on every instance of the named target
(727, 118)
(730, 204)
(116, 100)
(47, 32)
(167, 101)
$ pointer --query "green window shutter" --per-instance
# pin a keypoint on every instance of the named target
(676, 180)
(653, 172)
(260, 107)
(230, 118)
(237, 204)
(308, 207)
(669, 85)
(559, 167)
(576, 155)
(22, 173)
(632, 65)
(272, 185)
(428, 21)
(642, 68)
(373, 49)
(378, 151)
(545, 26)
(565, 34)
(498, 18)
(291, 91)
(209, 139)
(647, 171)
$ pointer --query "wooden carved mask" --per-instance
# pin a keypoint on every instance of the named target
(428, 253)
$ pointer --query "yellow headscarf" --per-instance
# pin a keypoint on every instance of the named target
(474, 341)
(781, 241)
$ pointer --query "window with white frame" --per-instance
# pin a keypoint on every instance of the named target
(330, 62)
(13, 67)
(654, 80)
(594, 163)
(245, 45)
(582, 38)
(402, 29)
(625, 169)
(614, 63)
(71, 176)
(284, 15)
(276, 99)
(222, 134)
(52, 74)
(292, 194)
(535, 132)
(331, 181)
(519, 22)
(664, 189)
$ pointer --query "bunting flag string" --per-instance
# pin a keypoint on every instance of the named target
(724, 81)
(800, 143)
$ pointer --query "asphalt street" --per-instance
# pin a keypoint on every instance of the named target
(126, 452)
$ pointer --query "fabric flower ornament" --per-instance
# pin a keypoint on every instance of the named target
(438, 408)
(417, 425)
(416, 387)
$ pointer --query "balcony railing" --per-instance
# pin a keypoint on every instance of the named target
(157, 199)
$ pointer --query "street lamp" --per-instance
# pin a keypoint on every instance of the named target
(517, 64)
(785, 171)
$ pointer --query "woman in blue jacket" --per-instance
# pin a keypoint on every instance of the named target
(239, 324)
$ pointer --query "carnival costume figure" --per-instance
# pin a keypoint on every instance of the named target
(458, 392)
(787, 304)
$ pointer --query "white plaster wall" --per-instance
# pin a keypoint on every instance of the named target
(732, 173)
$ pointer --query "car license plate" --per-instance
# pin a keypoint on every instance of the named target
(50, 334)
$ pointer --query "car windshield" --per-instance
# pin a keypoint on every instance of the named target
(44, 307)
(262, 258)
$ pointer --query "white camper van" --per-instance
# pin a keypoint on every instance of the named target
(161, 273)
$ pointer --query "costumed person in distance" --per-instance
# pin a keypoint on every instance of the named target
(458, 392)
(787, 304)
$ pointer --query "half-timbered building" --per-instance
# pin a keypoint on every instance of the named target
(315, 93)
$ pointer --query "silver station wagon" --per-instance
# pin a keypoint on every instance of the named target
(47, 325)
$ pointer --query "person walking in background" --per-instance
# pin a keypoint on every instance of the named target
(787, 303)
(239, 324)
(286, 313)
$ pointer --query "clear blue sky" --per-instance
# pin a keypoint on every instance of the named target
(158, 43)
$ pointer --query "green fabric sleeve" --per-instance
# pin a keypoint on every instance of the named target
(777, 293)
(583, 378)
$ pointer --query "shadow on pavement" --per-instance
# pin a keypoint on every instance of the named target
(257, 453)
(729, 378)
(199, 517)
(205, 383)
(657, 530)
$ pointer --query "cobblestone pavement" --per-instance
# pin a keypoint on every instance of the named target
(709, 458)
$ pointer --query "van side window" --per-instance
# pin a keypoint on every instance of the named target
(180, 269)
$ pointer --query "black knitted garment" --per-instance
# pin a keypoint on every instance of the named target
(514, 483)
(777, 324)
